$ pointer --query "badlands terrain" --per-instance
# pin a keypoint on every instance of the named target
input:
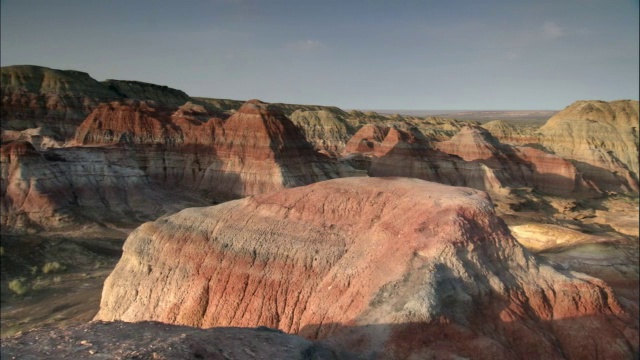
(140, 222)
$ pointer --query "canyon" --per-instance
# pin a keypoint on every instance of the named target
(371, 235)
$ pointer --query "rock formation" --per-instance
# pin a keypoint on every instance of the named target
(34, 96)
(601, 138)
(510, 134)
(515, 166)
(471, 158)
(256, 150)
(327, 131)
(67, 187)
(393, 268)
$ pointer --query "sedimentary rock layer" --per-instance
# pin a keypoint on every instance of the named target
(394, 267)
(70, 186)
(601, 138)
(254, 151)
(34, 96)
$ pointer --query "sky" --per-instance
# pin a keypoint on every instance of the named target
(454, 55)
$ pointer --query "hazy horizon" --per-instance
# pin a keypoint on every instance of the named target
(377, 55)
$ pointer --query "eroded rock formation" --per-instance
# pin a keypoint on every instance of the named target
(333, 261)
(602, 140)
(254, 151)
(327, 131)
(67, 187)
(515, 166)
(510, 134)
(59, 100)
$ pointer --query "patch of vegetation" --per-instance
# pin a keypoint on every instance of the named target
(1, 251)
(52, 267)
(18, 286)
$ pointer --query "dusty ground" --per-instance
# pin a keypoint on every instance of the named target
(152, 340)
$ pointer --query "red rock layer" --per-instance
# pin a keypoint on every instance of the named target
(392, 267)
(367, 139)
(256, 150)
(70, 186)
(471, 158)
(515, 166)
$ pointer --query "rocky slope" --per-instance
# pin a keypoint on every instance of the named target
(472, 157)
(57, 101)
(34, 96)
(331, 261)
(327, 131)
(68, 187)
(510, 134)
(515, 166)
(256, 150)
(149, 340)
(601, 138)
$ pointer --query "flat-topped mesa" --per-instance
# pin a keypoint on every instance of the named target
(398, 267)
(145, 91)
(601, 138)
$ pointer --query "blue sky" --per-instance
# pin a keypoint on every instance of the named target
(353, 54)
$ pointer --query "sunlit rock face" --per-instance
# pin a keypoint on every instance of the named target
(254, 151)
(515, 166)
(510, 134)
(602, 140)
(327, 131)
(387, 267)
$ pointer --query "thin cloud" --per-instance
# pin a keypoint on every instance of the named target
(551, 30)
(306, 45)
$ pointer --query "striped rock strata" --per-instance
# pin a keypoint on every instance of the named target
(601, 138)
(391, 268)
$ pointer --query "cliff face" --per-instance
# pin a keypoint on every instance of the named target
(400, 267)
(601, 138)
